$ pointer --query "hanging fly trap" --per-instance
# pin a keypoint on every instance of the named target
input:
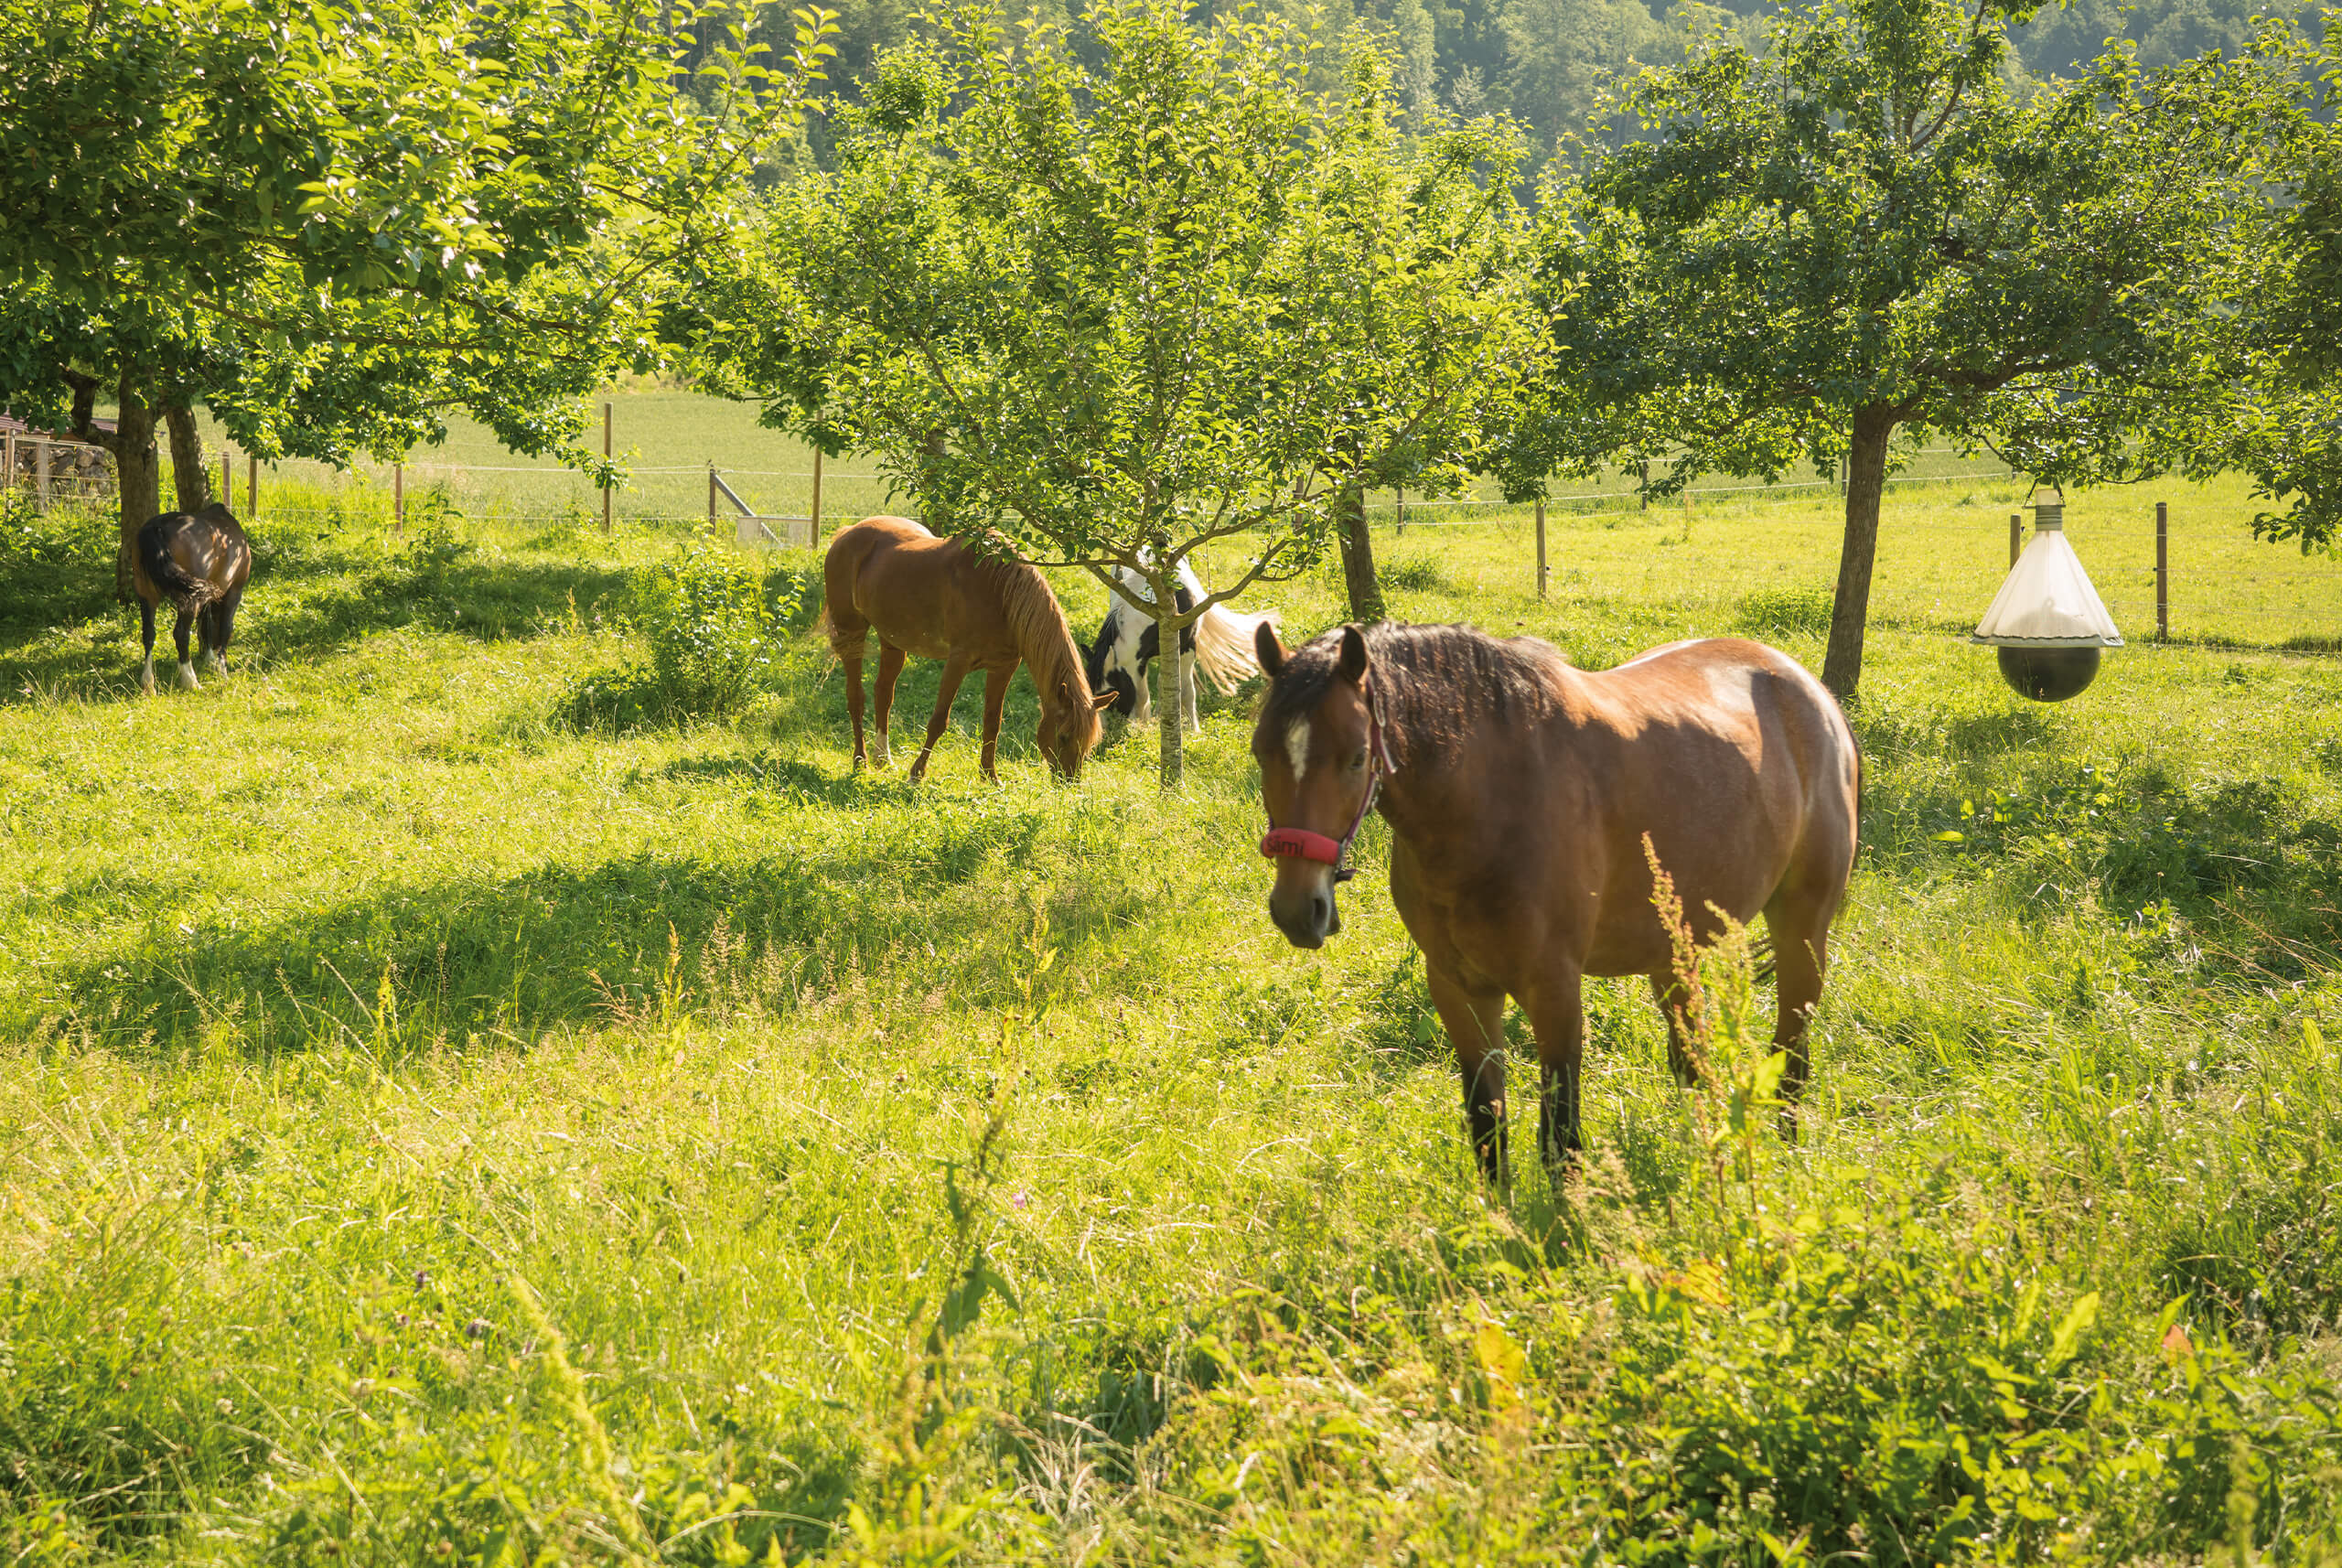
(2048, 621)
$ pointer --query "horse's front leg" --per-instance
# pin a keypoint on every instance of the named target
(890, 670)
(1557, 1017)
(996, 681)
(1474, 1022)
(1188, 692)
(955, 670)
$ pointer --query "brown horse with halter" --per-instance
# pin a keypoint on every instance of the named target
(199, 562)
(940, 599)
(1520, 792)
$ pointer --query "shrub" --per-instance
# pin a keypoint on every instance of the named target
(712, 621)
(1802, 611)
(1416, 575)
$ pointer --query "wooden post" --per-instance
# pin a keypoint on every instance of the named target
(2016, 536)
(251, 488)
(1642, 473)
(817, 498)
(40, 472)
(1402, 511)
(7, 461)
(2163, 573)
(227, 475)
(398, 500)
(711, 496)
(605, 457)
(1540, 547)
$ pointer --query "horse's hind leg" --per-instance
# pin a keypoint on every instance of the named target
(1187, 692)
(1800, 955)
(1475, 1022)
(214, 623)
(890, 669)
(146, 635)
(188, 683)
(852, 662)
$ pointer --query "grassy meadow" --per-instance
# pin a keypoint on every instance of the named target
(442, 1123)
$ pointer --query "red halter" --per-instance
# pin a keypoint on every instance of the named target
(1300, 844)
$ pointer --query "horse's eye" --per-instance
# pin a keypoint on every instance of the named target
(1359, 762)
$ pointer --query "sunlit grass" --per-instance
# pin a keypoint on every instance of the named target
(344, 993)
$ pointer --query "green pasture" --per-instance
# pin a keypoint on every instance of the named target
(438, 1126)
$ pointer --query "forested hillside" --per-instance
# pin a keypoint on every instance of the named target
(1545, 61)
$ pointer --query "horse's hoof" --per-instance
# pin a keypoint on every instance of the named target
(188, 683)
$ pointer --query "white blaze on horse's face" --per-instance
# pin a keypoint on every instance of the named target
(1297, 747)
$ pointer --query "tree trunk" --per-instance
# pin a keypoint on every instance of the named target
(139, 473)
(1842, 666)
(190, 475)
(1167, 678)
(1358, 558)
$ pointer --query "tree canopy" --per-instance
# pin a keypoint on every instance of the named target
(331, 224)
(1863, 233)
(1111, 304)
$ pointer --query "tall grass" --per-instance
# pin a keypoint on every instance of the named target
(432, 1130)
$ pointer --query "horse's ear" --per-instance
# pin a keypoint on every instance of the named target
(1353, 659)
(1103, 700)
(1268, 649)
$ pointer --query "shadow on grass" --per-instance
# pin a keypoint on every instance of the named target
(63, 634)
(637, 940)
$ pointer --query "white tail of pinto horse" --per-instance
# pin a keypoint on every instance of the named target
(1224, 642)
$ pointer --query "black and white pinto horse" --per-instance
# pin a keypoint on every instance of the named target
(1219, 641)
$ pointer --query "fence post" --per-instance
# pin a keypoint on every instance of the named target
(8, 461)
(1402, 510)
(398, 500)
(252, 486)
(1642, 475)
(1540, 547)
(40, 472)
(2016, 535)
(606, 458)
(711, 495)
(817, 499)
(2163, 573)
(227, 475)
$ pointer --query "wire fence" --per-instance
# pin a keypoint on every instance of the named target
(1722, 541)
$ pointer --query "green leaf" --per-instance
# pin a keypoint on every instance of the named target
(2079, 1320)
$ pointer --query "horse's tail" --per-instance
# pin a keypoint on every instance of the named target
(187, 594)
(1224, 645)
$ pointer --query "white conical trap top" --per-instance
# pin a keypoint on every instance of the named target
(2048, 601)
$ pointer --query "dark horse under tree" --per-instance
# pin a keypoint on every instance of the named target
(1519, 791)
(199, 562)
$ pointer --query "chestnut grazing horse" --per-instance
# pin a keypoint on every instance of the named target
(199, 562)
(939, 600)
(1519, 791)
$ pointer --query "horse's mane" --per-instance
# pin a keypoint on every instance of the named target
(1434, 682)
(1037, 622)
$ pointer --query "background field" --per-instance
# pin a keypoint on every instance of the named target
(433, 1131)
(1943, 529)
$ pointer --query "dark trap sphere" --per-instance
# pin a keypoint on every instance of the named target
(2048, 674)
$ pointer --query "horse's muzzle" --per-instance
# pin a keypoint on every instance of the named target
(1304, 910)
